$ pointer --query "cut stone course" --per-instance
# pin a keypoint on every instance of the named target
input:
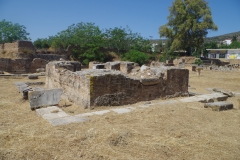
(56, 116)
(105, 87)
(219, 106)
(205, 98)
(33, 76)
(44, 97)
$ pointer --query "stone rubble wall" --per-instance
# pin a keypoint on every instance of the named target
(50, 57)
(19, 66)
(18, 46)
(104, 87)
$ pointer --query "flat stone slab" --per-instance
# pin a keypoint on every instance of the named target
(67, 120)
(33, 76)
(100, 112)
(205, 98)
(219, 106)
(44, 97)
(121, 110)
(166, 102)
(85, 114)
(51, 113)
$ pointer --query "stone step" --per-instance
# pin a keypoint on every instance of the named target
(57, 117)
(219, 106)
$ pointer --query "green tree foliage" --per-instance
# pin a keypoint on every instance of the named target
(88, 42)
(188, 24)
(86, 39)
(136, 56)
(42, 43)
(123, 39)
(198, 61)
(208, 45)
(10, 32)
(234, 45)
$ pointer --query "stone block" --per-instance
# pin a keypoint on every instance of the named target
(67, 120)
(219, 106)
(100, 112)
(194, 68)
(40, 70)
(33, 76)
(121, 110)
(44, 97)
(150, 81)
(99, 66)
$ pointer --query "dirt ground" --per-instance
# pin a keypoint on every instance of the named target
(179, 131)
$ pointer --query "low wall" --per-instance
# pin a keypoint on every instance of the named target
(19, 66)
(18, 46)
(50, 57)
(103, 87)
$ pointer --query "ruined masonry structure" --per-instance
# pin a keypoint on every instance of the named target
(17, 46)
(106, 87)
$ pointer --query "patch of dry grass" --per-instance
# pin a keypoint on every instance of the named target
(179, 131)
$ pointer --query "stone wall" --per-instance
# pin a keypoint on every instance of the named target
(18, 46)
(19, 66)
(103, 87)
(50, 57)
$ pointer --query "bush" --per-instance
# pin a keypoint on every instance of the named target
(136, 56)
(167, 55)
(198, 61)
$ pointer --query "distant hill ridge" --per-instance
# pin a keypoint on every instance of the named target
(224, 36)
(215, 38)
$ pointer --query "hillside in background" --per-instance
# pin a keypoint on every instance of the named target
(223, 37)
(215, 38)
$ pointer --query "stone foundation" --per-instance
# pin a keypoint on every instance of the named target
(105, 87)
(19, 66)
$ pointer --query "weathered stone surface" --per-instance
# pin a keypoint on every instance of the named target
(32, 76)
(229, 94)
(67, 120)
(126, 67)
(143, 68)
(150, 81)
(121, 110)
(89, 88)
(100, 112)
(113, 65)
(219, 106)
(44, 98)
(205, 98)
(40, 70)
(51, 112)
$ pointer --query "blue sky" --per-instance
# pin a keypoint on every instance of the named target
(44, 18)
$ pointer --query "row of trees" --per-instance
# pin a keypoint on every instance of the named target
(87, 42)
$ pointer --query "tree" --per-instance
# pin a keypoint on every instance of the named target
(136, 56)
(10, 32)
(188, 24)
(42, 43)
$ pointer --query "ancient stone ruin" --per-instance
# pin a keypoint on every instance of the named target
(18, 46)
(23, 58)
(115, 83)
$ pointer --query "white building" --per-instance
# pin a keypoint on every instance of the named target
(224, 53)
(227, 41)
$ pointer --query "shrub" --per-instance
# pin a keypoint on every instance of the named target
(198, 61)
(136, 56)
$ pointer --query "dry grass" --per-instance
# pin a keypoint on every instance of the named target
(180, 131)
